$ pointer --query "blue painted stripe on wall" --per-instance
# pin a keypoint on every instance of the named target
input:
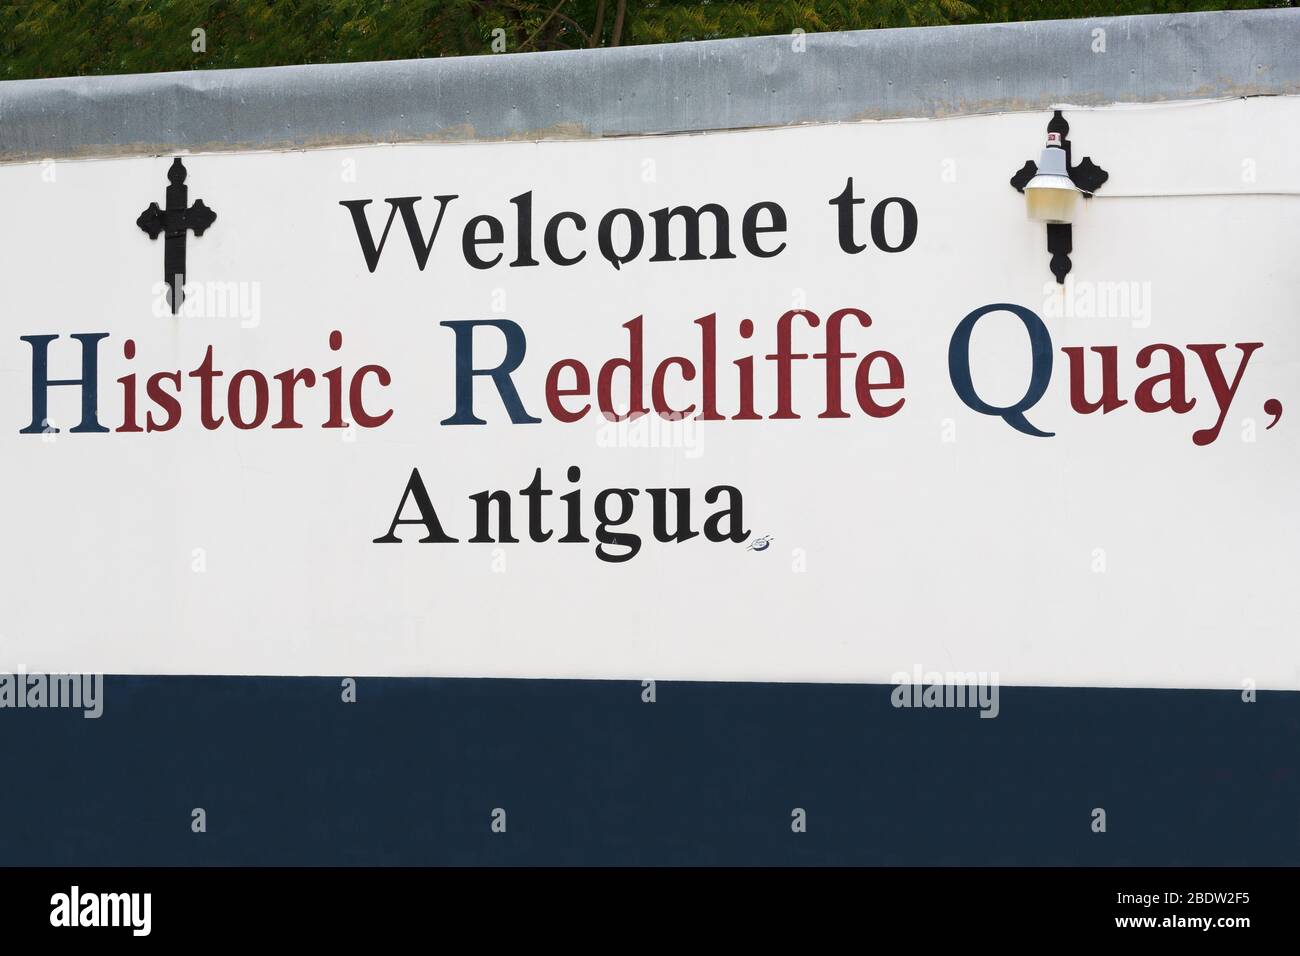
(589, 774)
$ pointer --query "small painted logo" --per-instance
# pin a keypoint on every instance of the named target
(760, 544)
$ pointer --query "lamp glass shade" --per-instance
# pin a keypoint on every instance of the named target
(1050, 196)
(1051, 199)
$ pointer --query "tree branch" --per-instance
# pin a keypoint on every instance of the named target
(599, 28)
(619, 13)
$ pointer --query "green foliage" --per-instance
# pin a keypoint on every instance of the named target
(42, 38)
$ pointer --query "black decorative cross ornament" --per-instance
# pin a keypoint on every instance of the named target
(175, 221)
(1087, 177)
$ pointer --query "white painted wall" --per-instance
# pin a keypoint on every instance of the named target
(971, 554)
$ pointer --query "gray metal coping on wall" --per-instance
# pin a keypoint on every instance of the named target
(669, 88)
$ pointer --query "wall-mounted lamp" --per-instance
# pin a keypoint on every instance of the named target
(1052, 190)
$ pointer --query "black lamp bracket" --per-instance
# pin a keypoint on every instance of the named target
(1087, 176)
